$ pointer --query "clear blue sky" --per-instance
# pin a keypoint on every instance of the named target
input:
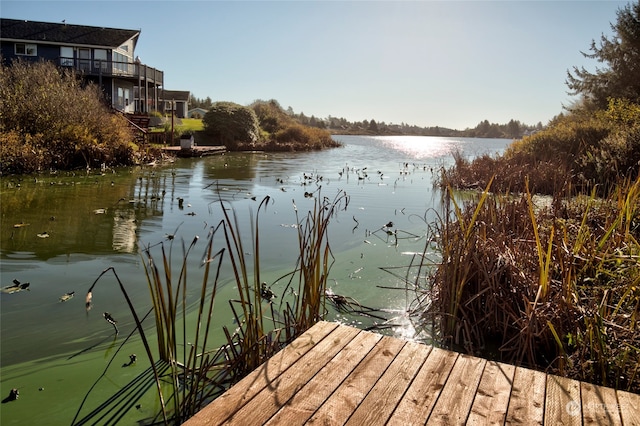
(428, 63)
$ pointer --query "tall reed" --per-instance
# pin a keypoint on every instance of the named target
(198, 369)
(315, 259)
(548, 283)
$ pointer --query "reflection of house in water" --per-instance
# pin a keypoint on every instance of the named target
(148, 195)
(125, 227)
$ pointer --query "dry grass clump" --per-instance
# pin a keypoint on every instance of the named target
(282, 132)
(553, 286)
(507, 174)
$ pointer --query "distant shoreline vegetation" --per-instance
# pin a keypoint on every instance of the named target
(514, 129)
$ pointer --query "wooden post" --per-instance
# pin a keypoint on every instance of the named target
(172, 137)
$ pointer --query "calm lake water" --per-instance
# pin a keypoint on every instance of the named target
(60, 231)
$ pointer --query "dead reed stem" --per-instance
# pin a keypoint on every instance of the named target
(553, 286)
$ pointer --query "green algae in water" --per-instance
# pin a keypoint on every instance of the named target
(103, 384)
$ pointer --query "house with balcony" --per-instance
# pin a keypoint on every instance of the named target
(104, 56)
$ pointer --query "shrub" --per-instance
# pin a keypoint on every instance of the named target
(21, 154)
(618, 154)
(51, 120)
(305, 138)
(564, 141)
(271, 115)
(231, 124)
(281, 132)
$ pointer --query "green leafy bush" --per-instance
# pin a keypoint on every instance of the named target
(231, 124)
(271, 115)
(264, 125)
(618, 154)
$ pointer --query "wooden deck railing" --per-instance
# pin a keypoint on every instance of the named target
(107, 68)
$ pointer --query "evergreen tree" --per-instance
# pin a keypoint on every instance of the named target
(373, 126)
(620, 78)
(513, 129)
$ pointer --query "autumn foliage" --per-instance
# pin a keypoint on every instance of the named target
(50, 120)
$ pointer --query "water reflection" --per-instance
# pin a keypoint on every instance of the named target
(438, 147)
(65, 210)
(124, 232)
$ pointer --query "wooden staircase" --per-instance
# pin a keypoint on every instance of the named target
(139, 124)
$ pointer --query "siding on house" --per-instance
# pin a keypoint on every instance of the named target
(101, 55)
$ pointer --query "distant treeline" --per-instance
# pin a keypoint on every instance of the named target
(514, 129)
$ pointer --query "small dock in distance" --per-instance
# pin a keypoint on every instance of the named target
(195, 151)
(339, 375)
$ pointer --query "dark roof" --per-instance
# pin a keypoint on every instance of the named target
(176, 95)
(16, 29)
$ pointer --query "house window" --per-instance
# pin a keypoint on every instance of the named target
(121, 63)
(100, 59)
(26, 49)
(124, 95)
(66, 56)
(84, 56)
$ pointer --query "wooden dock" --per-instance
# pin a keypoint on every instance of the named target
(337, 375)
(196, 151)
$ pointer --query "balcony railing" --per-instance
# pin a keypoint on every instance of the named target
(96, 67)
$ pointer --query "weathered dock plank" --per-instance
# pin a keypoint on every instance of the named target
(421, 397)
(391, 386)
(454, 404)
(629, 406)
(528, 392)
(277, 391)
(599, 405)
(343, 402)
(492, 398)
(562, 404)
(228, 403)
(338, 375)
(311, 396)
(195, 151)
